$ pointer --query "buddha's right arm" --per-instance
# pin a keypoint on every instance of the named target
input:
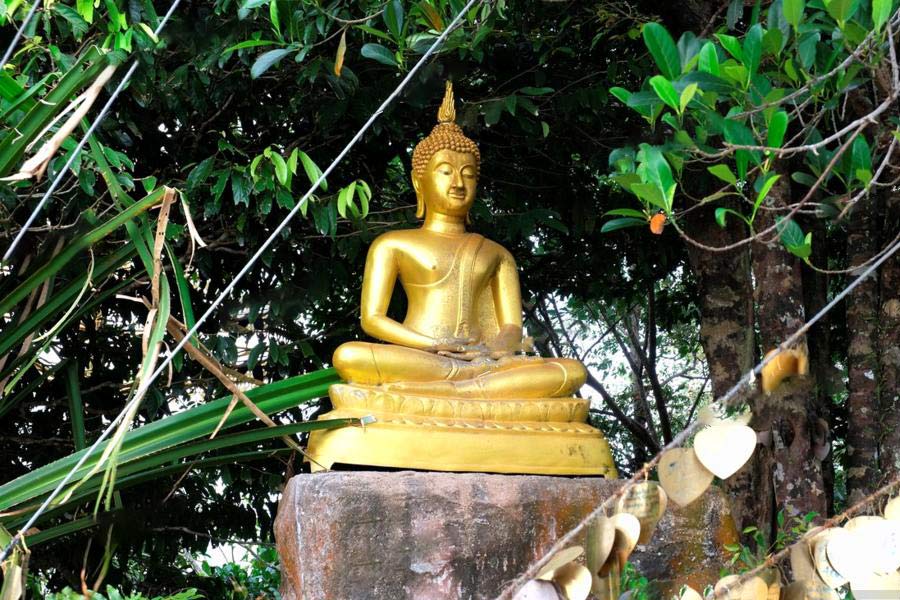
(378, 286)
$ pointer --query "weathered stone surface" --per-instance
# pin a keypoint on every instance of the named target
(395, 535)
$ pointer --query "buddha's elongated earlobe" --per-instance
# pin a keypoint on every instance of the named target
(420, 200)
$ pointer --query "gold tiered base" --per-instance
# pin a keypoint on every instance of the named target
(545, 436)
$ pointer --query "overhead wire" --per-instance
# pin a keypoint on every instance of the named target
(725, 401)
(144, 385)
(74, 153)
(19, 33)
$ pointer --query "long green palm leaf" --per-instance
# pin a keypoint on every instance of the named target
(172, 431)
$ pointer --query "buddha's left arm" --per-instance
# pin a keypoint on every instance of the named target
(507, 304)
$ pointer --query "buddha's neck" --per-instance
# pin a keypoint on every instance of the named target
(444, 223)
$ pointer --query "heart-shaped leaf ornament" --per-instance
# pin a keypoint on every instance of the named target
(559, 559)
(845, 552)
(731, 588)
(683, 476)
(790, 362)
(826, 571)
(571, 578)
(877, 586)
(689, 593)
(802, 562)
(879, 542)
(723, 449)
(808, 590)
(574, 580)
(601, 533)
(647, 501)
(892, 509)
(772, 577)
(628, 530)
(537, 589)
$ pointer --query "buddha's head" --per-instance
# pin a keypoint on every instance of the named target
(445, 166)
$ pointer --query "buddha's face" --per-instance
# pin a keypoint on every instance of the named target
(447, 185)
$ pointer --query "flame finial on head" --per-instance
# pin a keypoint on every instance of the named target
(447, 112)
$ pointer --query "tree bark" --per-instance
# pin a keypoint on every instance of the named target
(788, 472)
(862, 359)
(726, 324)
(889, 340)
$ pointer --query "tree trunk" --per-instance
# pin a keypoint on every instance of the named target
(889, 341)
(788, 472)
(862, 359)
(726, 323)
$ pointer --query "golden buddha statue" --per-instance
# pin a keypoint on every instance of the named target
(449, 387)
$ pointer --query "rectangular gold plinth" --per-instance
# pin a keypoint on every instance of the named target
(539, 448)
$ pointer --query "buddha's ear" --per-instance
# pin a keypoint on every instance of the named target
(420, 202)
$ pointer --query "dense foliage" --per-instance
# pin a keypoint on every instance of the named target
(579, 109)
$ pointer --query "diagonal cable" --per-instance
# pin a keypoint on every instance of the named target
(19, 33)
(145, 384)
(725, 400)
(74, 154)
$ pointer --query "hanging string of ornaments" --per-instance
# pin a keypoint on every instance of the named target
(863, 553)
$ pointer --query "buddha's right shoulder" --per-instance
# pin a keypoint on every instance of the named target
(390, 241)
(393, 238)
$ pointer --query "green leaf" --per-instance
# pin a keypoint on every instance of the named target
(365, 194)
(687, 94)
(615, 224)
(721, 214)
(752, 49)
(665, 91)
(240, 192)
(793, 11)
(621, 93)
(861, 156)
(626, 212)
(379, 53)
(266, 60)
(199, 174)
(248, 44)
(148, 183)
(536, 91)
(78, 24)
(723, 172)
(731, 45)
(763, 192)
(881, 11)
(662, 48)
(85, 8)
(393, 17)
(806, 48)
(790, 233)
(654, 168)
(709, 59)
(773, 42)
(777, 128)
(803, 178)
(841, 10)
(254, 164)
(649, 193)
(345, 199)
(281, 169)
(313, 172)
(273, 16)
